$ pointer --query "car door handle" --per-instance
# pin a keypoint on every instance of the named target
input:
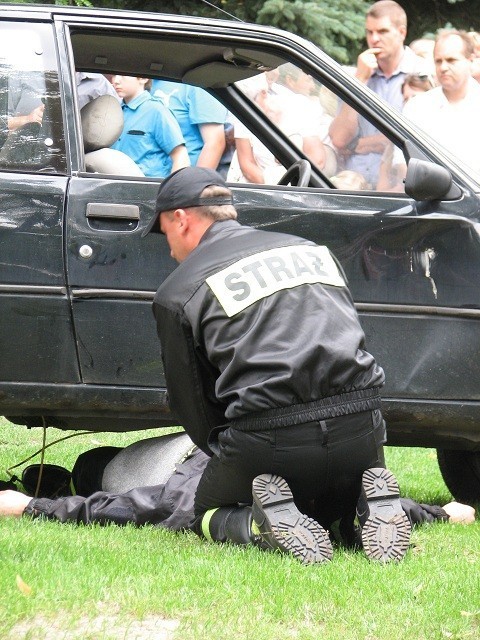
(113, 211)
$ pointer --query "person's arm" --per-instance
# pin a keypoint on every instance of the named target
(169, 505)
(314, 150)
(99, 507)
(344, 127)
(459, 513)
(190, 378)
(168, 136)
(13, 503)
(213, 136)
(247, 162)
(14, 122)
(371, 144)
(453, 512)
(179, 157)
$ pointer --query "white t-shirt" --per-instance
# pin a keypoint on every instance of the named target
(456, 126)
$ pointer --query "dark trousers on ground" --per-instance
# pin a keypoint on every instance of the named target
(322, 461)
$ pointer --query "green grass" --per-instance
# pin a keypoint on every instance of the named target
(113, 582)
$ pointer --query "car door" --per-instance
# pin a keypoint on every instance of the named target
(36, 330)
(412, 264)
(112, 274)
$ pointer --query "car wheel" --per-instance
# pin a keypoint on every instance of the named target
(461, 473)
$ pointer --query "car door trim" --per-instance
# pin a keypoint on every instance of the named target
(417, 309)
(112, 293)
(25, 289)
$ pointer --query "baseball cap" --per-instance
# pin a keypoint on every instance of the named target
(182, 189)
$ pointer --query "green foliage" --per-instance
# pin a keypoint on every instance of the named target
(337, 26)
(59, 3)
(428, 16)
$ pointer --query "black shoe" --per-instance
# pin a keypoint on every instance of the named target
(54, 481)
(385, 526)
(282, 526)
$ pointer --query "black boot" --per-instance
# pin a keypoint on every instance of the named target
(282, 526)
(385, 526)
(229, 524)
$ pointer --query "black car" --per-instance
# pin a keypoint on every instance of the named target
(77, 334)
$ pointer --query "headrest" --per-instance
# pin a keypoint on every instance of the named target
(102, 122)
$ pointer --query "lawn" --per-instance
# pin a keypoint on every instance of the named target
(104, 583)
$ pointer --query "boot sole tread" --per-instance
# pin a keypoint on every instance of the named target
(386, 529)
(282, 525)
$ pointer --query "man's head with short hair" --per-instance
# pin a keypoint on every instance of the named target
(468, 46)
(386, 30)
(453, 55)
(189, 201)
(389, 9)
(295, 79)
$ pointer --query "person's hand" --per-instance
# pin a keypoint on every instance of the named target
(14, 122)
(458, 512)
(367, 64)
(36, 115)
(13, 503)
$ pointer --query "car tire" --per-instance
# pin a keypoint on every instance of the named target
(461, 473)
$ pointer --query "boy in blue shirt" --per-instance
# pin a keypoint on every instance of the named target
(201, 118)
(151, 136)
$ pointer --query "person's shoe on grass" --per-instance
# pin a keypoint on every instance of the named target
(282, 526)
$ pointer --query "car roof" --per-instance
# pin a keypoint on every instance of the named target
(106, 40)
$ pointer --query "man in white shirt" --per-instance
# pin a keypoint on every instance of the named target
(450, 112)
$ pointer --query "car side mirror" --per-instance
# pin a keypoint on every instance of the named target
(428, 181)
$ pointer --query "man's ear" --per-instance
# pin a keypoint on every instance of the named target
(181, 218)
(403, 31)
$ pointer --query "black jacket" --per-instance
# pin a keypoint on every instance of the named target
(254, 321)
(168, 505)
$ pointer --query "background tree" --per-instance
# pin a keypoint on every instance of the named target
(427, 16)
(337, 26)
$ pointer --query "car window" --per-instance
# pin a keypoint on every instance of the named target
(304, 110)
(288, 100)
(31, 129)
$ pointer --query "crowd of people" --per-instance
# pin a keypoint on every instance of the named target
(170, 125)
(334, 137)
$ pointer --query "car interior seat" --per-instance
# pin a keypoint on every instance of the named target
(102, 124)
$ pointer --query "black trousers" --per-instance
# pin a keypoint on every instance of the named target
(322, 461)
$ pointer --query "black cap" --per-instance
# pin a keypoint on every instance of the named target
(182, 189)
